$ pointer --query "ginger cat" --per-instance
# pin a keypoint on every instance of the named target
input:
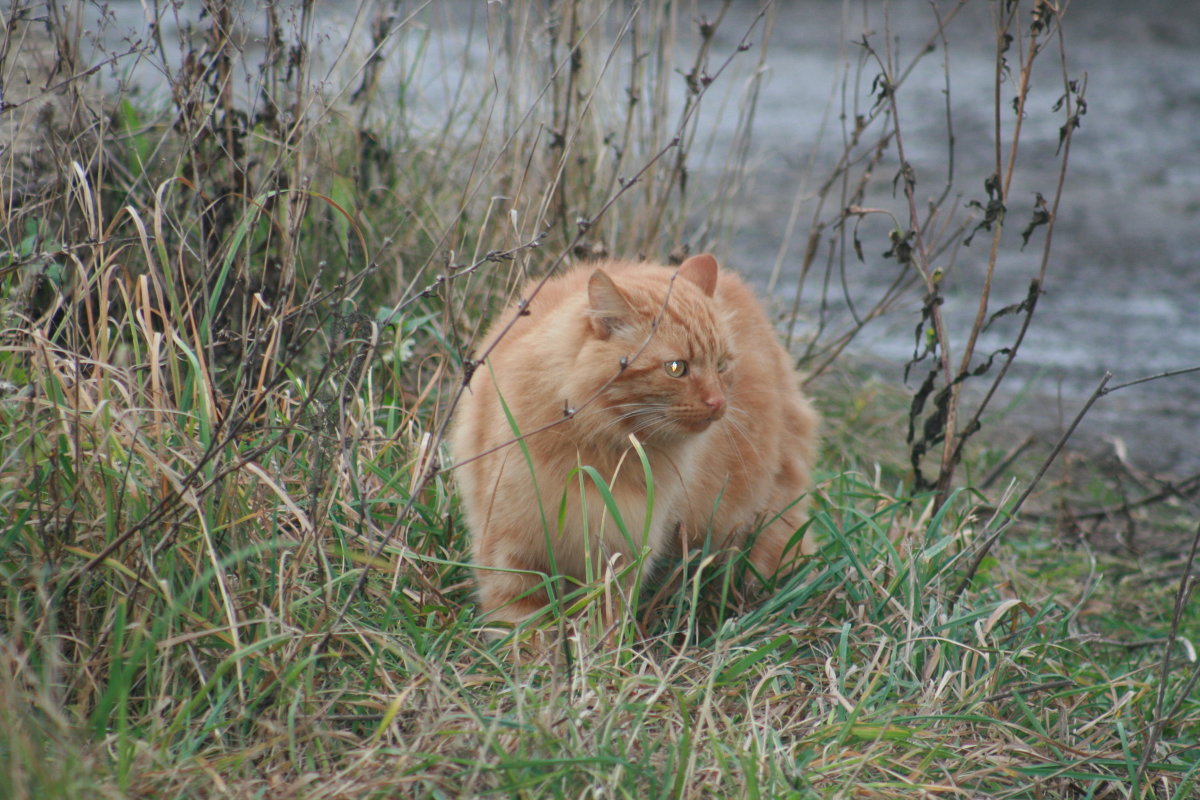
(685, 361)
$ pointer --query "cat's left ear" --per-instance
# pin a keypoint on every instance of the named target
(607, 306)
(702, 271)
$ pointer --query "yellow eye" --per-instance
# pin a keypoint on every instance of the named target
(676, 369)
(723, 364)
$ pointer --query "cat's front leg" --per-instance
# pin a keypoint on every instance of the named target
(778, 548)
(512, 589)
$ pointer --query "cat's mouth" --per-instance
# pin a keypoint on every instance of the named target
(700, 422)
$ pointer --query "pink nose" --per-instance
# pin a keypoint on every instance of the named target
(715, 403)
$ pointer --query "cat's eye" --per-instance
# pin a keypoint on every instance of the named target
(676, 369)
(723, 364)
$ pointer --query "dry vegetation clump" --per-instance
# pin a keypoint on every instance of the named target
(243, 255)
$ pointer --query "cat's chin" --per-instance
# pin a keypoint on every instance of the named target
(674, 433)
(691, 427)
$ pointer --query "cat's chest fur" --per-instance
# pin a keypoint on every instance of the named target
(604, 502)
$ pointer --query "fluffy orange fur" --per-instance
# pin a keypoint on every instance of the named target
(685, 361)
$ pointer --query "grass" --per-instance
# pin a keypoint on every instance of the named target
(235, 316)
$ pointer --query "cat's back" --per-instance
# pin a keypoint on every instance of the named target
(745, 312)
(767, 364)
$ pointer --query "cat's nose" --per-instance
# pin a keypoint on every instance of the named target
(716, 405)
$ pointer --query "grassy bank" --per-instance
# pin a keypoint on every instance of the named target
(236, 304)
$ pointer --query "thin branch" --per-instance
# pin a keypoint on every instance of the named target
(1180, 489)
(1036, 286)
(1186, 585)
(986, 547)
(1171, 373)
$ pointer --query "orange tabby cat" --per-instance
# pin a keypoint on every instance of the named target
(685, 361)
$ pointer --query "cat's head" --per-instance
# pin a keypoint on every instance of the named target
(664, 328)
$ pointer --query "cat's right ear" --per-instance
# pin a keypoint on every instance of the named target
(702, 271)
(608, 309)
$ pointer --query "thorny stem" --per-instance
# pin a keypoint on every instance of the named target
(952, 448)
(920, 256)
(697, 79)
(1187, 584)
(851, 198)
(1035, 288)
(1171, 373)
(986, 547)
